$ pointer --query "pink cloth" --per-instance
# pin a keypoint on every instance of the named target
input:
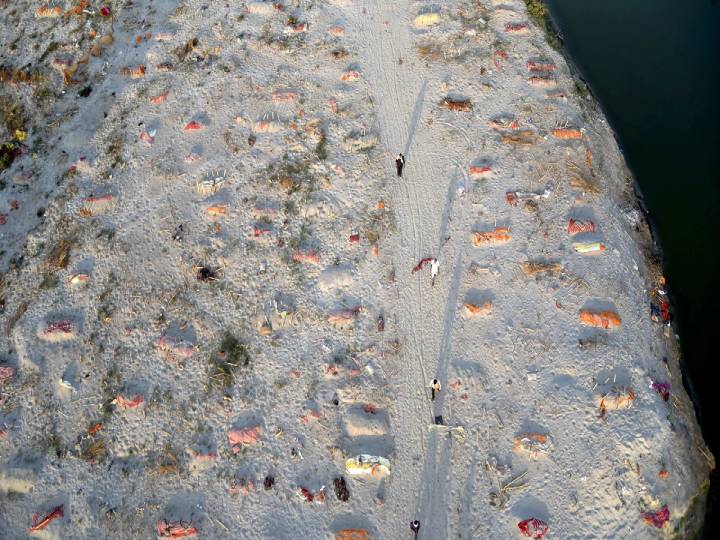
(243, 437)
(6, 372)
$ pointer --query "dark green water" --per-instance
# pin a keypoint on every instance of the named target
(654, 65)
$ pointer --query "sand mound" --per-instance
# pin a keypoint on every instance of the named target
(335, 277)
(357, 423)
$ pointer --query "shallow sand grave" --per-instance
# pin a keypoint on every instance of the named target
(248, 322)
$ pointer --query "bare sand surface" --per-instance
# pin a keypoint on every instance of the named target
(209, 304)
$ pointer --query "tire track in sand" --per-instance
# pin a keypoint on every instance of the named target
(425, 314)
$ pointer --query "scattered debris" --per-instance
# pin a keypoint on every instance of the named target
(533, 443)
(616, 398)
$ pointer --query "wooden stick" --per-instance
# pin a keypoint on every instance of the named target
(506, 486)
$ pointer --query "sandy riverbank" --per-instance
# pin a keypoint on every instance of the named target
(209, 303)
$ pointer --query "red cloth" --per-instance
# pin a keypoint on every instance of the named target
(533, 528)
(421, 264)
(165, 529)
(657, 519)
(576, 226)
(665, 310)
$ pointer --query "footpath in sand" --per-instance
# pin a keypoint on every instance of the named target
(210, 309)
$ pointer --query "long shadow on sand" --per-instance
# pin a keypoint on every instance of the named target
(415, 118)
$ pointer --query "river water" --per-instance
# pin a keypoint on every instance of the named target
(654, 65)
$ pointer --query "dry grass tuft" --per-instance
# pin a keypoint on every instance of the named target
(578, 178)
(520, 138)
(430, 50)
(94, 450)
(531, 268)
(182, 51)
(290, 175)
(19, 312)
(12, 115)
(59, 255)
(32, 77)
(167, 462)
(231, 355)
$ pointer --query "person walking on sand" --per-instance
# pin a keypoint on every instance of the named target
(399, 164)
(434, 268)
(435, 388)
(415, 527)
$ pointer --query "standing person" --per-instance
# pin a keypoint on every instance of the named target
(415, 527)
(435, 388)
(399, 163)
(434, 269)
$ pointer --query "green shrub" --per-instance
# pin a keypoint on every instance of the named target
(231, 355)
